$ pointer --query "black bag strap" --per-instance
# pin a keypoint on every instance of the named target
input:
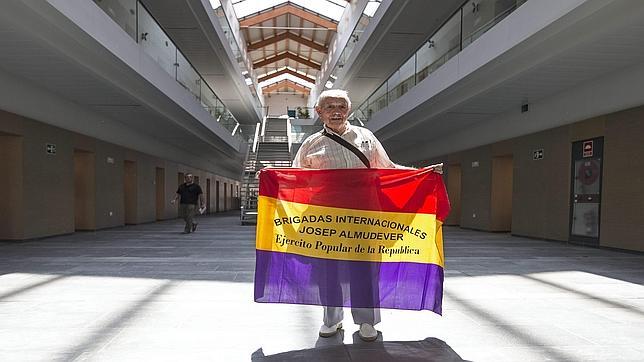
(349, 146)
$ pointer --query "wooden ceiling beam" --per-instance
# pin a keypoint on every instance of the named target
(286, 71)
(286, 55)
(265, 42)
(287, 9)
(309, 43)
(285, 83)
(287, 35)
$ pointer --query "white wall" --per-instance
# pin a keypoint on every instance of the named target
(278, 103)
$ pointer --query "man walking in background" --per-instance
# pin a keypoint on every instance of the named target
(189, 193)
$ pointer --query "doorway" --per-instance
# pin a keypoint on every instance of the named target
(159, 182)
(454, 193)
(180, 181)
(225, 196)
(217, 196)
(130, 192)
(501, 194)
(84, 190)
(11, 173)
(207, 196)
(585, 190)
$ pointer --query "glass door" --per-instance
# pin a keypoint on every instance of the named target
(585, 206)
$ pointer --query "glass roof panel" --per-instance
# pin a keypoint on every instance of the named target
(289, 77)
(371, 8)
(330, 8)
(342, 3)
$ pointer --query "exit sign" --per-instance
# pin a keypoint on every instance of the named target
(50, 148)
(537, 154)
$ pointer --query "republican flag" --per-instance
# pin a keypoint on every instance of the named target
(367, 238)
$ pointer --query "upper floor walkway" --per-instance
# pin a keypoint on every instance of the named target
(109, 70)
(495, 70)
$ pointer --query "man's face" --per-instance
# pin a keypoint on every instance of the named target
(333, 112)
(188, 179)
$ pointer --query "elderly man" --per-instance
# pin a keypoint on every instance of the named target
(342, 145)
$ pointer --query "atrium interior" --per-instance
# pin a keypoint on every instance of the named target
(534, 108)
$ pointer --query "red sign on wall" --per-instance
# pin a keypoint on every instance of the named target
(588, 149)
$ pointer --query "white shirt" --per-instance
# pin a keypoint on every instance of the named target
(321, 152)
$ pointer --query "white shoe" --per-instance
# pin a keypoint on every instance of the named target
(367, 332)
(326, 331)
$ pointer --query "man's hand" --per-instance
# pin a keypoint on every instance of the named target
(438, 168)
(173, 201)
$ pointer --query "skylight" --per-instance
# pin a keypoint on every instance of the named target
(215, 4)
(330, 8)
(265, 39)
(290, 77)
(371, 8)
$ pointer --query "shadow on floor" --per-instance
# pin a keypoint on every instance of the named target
(429, 349)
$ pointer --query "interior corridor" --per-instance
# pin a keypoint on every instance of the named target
(146, 292)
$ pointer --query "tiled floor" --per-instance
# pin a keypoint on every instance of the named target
(148, 293)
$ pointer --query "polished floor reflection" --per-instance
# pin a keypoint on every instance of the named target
(148, 292)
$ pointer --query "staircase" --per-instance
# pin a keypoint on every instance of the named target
(272, 151)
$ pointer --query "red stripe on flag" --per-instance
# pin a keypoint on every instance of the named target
(391, 190)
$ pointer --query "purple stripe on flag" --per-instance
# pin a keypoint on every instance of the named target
(296, 279)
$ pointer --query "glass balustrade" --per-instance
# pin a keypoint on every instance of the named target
(227, 120)
(471, 21)
(354, 38)
(402, 80)
(378, 100)
(481, 15)
(440, 48)
(155, 43)
(187, 76)
(123, 12)
(300, 132)
(139, 24)
(208, 100)
(241, 56)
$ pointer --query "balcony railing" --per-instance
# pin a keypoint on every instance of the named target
(469, 22)
(359, 29)
(139, 24)
(298, 133)
(239, 50)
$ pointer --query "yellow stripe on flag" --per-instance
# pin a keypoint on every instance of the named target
(348, 234)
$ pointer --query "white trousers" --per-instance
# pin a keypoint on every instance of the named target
(334, 315)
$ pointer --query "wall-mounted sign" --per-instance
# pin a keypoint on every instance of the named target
(475, 163)
(588, 173)
(50, 148)
(588, 149)
(110, 160)
(537, 154)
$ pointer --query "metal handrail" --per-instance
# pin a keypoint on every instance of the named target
(201, 81)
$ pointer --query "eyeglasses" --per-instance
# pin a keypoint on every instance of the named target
(332, 107)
